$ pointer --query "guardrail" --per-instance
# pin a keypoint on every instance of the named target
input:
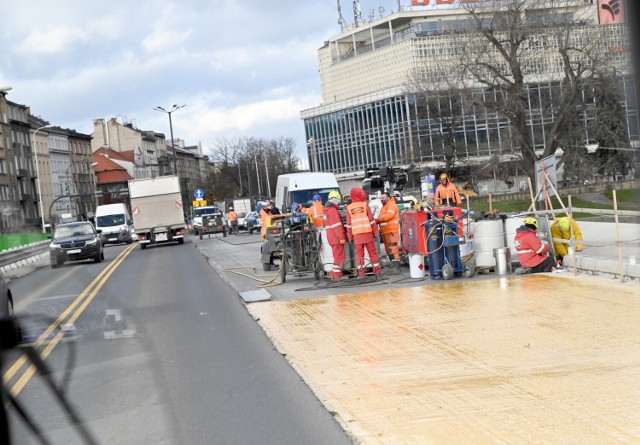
(17, 255)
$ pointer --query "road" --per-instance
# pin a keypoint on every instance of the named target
(188, 365)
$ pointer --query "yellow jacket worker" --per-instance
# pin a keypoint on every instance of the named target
(560, 228)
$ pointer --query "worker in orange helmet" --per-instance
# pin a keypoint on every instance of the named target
(362, 230)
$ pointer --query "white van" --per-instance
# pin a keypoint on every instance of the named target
(115, 222)
(300, 188)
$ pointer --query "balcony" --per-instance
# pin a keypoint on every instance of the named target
(26, 197)
(21, 172)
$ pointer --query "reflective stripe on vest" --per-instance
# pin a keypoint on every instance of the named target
(359, 220)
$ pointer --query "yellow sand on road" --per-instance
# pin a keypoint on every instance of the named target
(536, 359)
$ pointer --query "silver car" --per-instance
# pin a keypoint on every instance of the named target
(6, 300)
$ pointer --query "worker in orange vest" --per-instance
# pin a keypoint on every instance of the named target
(316, 212)
(362, 230)
(233, 220)
(447, 195)
(389, 223)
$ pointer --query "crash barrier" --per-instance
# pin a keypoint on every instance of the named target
(8, 242)
(19, 257)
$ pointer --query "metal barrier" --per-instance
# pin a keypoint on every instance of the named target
(16, 255)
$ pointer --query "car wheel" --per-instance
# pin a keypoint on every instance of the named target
(102, 255)
(180, 240)
(143, 246)
(9, 306)
(98, 258)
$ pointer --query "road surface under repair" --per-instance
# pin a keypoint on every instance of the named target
(547, 358)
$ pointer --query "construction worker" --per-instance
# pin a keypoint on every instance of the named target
(316, 212)
(336, 235)
(447, 193)
(265, 212)
(561, 229)
(232, 217)
(533, 255)
(362, 230)
(389, 224)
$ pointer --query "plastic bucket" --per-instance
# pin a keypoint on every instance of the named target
(503, 260)
(416, 265)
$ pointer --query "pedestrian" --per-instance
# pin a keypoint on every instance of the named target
(363, 231)
(336, 235)
(389, 224)
(447, 193)
(316, 212)
(561, 229)
(232, 217)
(534, 255)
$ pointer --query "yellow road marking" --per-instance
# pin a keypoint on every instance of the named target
(100, 280)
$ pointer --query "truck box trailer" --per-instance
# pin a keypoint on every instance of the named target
(156, 206)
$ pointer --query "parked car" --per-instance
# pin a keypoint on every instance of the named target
(6, 300)
(75, 241)
(252, 222)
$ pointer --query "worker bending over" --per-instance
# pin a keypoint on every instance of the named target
(533, 255)
(389, 224)
(561, 228)
(336, 235)
(362, 230)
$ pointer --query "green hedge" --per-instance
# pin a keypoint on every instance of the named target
(10, 241)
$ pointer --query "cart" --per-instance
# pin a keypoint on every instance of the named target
(443, 247)
(300, 246)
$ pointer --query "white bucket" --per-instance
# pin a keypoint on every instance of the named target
(416, 265)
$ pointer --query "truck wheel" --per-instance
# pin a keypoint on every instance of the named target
(180, 240)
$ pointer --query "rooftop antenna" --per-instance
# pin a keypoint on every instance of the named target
(357, 15)
(341, 21)
(400, 8)
(372, 15)
(381, 10)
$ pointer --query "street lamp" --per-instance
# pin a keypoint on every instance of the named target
(174, 108)
(35, 150)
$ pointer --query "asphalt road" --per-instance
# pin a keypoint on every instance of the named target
(165, 353)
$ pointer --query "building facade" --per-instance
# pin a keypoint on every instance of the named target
(372, 114)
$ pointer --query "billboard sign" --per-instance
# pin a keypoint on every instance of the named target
(611, 12)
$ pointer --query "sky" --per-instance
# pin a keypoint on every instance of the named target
(241, 67)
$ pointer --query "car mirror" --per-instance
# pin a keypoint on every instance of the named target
(129, 222)
(49, 237)
(98, 230)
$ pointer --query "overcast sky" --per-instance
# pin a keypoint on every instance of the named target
(242, 67)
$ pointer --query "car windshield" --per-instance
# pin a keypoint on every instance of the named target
(73, 230)
(305, 197)
(205, 211)
(110, 220)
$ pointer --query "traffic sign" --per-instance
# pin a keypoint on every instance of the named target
(198, 193)
(199, 203)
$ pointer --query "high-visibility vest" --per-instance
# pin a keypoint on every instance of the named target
(232, 216)
(360, 222)
(389, 217)
(317, 213)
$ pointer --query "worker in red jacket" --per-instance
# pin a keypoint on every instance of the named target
(335, 233)
(362, 230)
(533, 254)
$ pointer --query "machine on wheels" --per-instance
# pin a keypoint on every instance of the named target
(295, 242)
(443, 245)
(300, 247)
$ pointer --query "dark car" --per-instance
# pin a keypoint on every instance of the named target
(6, 301)
(75, 241)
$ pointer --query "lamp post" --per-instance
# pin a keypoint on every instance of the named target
(35, 150)
(173, 146)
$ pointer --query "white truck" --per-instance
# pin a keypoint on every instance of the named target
(301, 187)
(156, 206)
